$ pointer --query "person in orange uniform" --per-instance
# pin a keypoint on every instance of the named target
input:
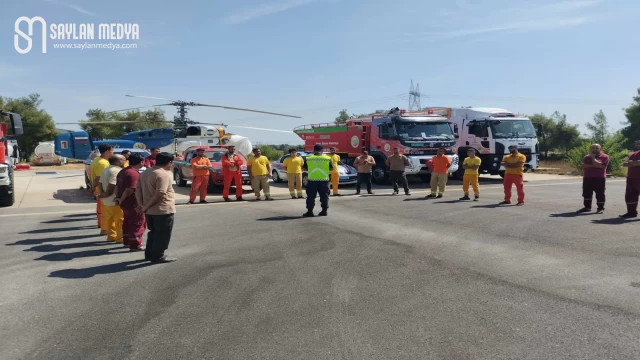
(200, 165)
(232, 170)
(335, 175)
(98, 165)
(112, 214)
(293, 166)
(439, 174)
(513, 175)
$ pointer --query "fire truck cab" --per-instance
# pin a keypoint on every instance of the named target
(7, 194)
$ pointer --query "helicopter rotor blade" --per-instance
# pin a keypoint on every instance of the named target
(150, 97)
(263, 129)
(250, 110)
(204, 123)
(136, 108)
(110, 122)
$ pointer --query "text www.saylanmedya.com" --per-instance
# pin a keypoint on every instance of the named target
(87, 45)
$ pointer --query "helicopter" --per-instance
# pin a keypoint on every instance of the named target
(183, 133)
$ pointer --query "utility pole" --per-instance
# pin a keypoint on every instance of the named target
(414, 97)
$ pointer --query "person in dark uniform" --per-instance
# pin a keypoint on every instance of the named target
(318, 168)
(632, 192)
(594, 177)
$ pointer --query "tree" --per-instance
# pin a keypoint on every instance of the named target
(548, 129)
(632, 125)
(271, 152)
(566, 136)
(612, 146)
(343, 117)
(600, 128)
(38, 124)
(106, 129)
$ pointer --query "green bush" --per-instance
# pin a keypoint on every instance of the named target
(270, 152)
(612, 146)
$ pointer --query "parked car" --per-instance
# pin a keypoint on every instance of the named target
(182, 171)
(348, 174)
(95, 153)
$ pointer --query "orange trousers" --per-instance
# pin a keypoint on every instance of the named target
(470, 180)
(199, 184)
(335, 180)
(509, 181)
(99, 212)
(237, 181)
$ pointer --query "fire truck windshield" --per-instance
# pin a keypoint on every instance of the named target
(424, 130)
(512, 129)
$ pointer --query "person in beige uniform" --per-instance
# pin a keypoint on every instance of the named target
(364, 163)
(156, 198)
(397, 163)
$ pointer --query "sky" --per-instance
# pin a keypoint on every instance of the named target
(312, 58)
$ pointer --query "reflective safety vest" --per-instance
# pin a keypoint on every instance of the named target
(318, 167)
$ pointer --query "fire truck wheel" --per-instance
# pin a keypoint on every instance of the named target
(305, 179)
(379, 176)
(7, 196)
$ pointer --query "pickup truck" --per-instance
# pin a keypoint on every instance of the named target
(182, 171)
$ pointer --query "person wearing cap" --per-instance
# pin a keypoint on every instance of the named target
(259, 168)
(232, 170)
(513, 175)
(200, 165)
(318, 168)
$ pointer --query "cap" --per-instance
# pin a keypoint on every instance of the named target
(317, 147)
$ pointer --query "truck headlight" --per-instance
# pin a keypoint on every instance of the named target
(216, 171)
(3, 169)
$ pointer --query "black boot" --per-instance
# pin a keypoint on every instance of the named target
(309, 213)
(323, 212)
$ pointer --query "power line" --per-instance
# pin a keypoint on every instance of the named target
(556, 101)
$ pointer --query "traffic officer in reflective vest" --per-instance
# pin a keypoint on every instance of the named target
(318, 167)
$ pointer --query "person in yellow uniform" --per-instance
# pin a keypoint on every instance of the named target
(259, 169)
(112, 214)
(471, 165)
(98, 165)
(293, 166)
(126, 154)
(335, 175)
(514, 175)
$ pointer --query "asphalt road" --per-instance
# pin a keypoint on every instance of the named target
(382, 277)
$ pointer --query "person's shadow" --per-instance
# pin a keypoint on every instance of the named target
(80, 254)
(614, 221)
(99, 270)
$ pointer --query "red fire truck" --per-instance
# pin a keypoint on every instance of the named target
(7, 195)
(418, 135)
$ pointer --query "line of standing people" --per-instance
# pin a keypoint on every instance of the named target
(128, 202)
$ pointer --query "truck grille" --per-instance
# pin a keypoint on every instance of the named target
(526, 152)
